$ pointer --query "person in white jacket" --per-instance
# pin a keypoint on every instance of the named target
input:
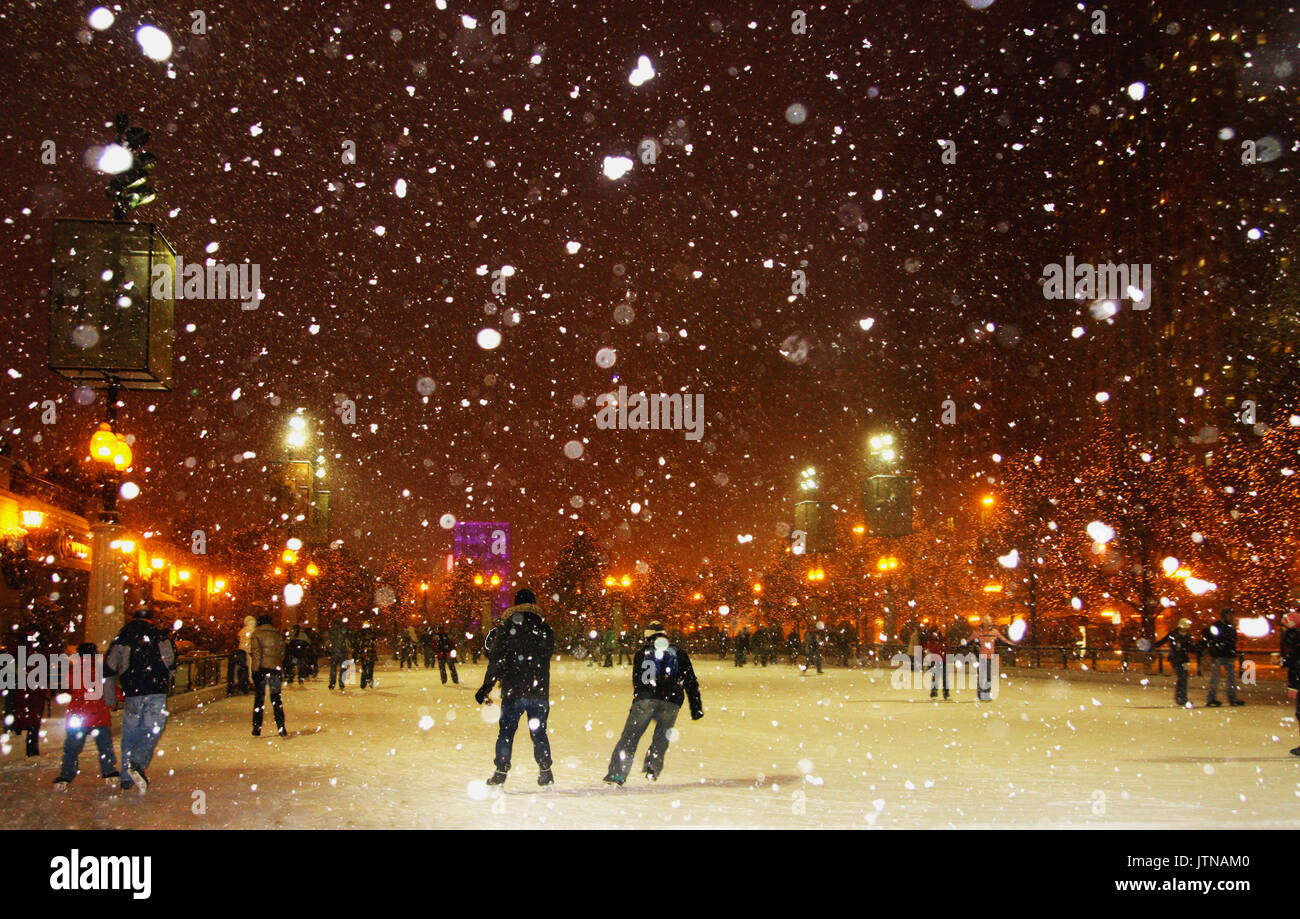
(243, 679)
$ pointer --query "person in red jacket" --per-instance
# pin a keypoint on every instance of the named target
(88, 716)
(935, 660)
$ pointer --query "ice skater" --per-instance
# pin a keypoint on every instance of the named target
(447, 657)
(1291, 661)
(1181, 646)
(812, 648)
(88, 717)
(662, 676)
(935, 648)
(1219, 639)
(520, 658)
(268, 659)
(986, 638)
(141, 659)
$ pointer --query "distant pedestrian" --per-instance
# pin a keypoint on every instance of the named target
(812, 647)
(428, 646)
(298, 655)
(793, 645)
(24, 706)
(935, 659)
(625, 647)
(1181, 647)
(520, 659)
(365, 650)
(986, 639)
(141, 659)
(662, 676)
(762, 645)
(87, 717)
(337, 644)
(608, 643)
(268, 661)
(1220, 641)
(447, 657)
(1291, 660)
(741, 645)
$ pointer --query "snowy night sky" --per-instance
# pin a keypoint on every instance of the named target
(498, 142)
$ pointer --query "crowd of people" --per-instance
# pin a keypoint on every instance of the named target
(139, 663)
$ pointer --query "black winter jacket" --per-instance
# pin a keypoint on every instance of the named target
(1291, 657)
(520, 655)
(141, 658)
(1220, 639)
(1181, 646)
(665, 674)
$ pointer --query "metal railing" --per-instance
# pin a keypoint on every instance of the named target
(198, 671)
(1102, 660)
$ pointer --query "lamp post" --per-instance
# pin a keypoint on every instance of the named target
(104, 613)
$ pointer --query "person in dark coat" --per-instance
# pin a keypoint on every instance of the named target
(662, 676)
(298, 655)
(1181, 647)
(762, 645)
(519, 657)
(1291, 661)
(337, 643)
(366, 651)
(741, 646)
(1219, 639)
(792, 645)
(268, 663)
(141, 659)
(24, 708)
(447, 657)
(428, 646)
(812, 647)
(935, 658)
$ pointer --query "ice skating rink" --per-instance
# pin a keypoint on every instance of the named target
(775, 749)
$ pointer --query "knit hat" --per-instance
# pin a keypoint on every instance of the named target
(143, 613)
(1184, 623)
(653, 628)
(1291, 620)
(525, 596)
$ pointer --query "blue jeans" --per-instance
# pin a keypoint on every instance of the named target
(1229, 666)
(75, 739)
(643, 711)
(511, 711)
(142, 724)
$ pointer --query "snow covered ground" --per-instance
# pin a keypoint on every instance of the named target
(775, 749)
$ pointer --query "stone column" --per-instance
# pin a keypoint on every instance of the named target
(104, 612)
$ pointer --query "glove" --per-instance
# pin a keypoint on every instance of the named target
(697, 715)
(482, 695)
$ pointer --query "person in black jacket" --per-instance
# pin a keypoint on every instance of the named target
(741, 646)
(1181, 647)
(1220, 640)
(519, 656)
(1291, 661)
(141, 660)
(366, 651)
(447, 657)
(662, 676)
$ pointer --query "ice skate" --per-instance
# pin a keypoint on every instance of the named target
(498, 778)
(618, 780)
(138, 777)
(62, 784)
(545, 778)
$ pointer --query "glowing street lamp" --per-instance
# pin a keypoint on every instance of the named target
(887, 563)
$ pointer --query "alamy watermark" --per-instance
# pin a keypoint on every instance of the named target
(1108, 281)
(214, 281)
(919, 671)
(58, 672)
(655, 412)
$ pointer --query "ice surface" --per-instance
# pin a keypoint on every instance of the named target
(775, 749)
